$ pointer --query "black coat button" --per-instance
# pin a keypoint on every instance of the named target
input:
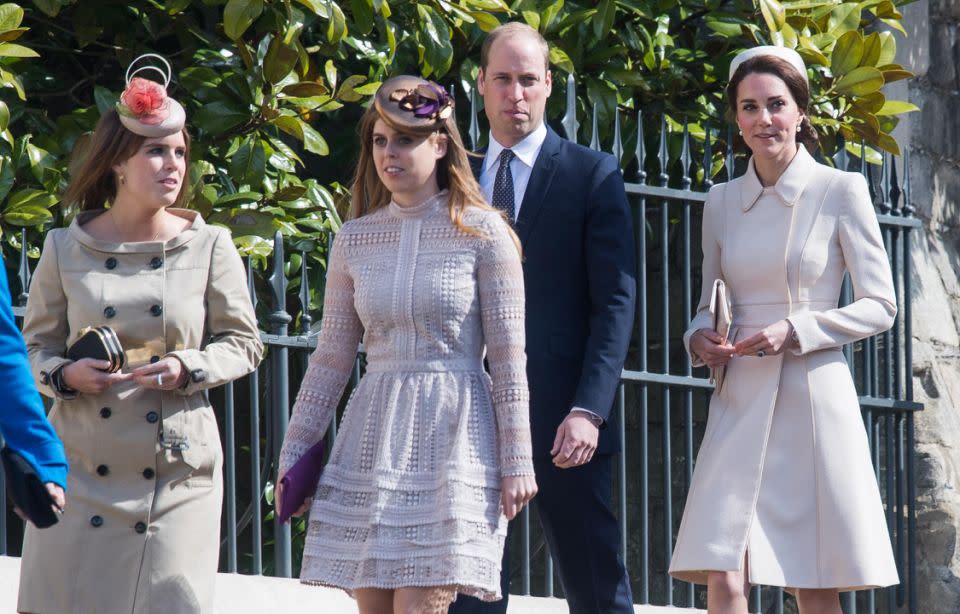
(111, 263)
(102, 470)
(110, 311)
(156, 262)
(154, 359)
(148, 473)
(156, 310)
(152, 417)
(105, 412)
(96, 521)
(198, 375)
(140, 527)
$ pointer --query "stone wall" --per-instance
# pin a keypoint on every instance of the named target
(932, 138)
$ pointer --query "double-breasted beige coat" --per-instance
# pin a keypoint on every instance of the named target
(784, 470)
(141, 531)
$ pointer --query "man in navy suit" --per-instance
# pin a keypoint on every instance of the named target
(570, 211)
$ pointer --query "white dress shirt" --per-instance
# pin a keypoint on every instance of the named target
(525, 156)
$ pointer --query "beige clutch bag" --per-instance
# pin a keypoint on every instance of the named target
(722, 312)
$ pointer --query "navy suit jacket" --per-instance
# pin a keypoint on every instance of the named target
(580, 277)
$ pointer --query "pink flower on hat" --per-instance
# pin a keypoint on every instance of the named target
(144, 100)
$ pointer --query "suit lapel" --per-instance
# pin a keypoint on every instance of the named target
(540, 178)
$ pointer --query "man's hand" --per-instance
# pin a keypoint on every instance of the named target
(576, 441)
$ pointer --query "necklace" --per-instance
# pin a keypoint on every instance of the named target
(113, 220)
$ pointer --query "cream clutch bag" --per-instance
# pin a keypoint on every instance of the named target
(722, 311)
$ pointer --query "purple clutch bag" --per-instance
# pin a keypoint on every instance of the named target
(301, 481)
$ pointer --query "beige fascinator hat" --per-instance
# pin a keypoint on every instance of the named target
(144, 106)
(788, 55)
(412, 104)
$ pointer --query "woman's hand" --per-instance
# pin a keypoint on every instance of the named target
(772, 340)
(711, 347)
(515, 492)
(90, 376)
(165, 374)
(278, 499)
(59, 500)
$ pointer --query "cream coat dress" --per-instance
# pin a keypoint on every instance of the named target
(141, 532)
(784, 470)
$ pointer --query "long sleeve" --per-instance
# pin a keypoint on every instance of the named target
(330, 364)
(500, 282)
(45, 326)
(612, 285)
(23, 422)
(710, 241)
(874, 306)
(234, 348)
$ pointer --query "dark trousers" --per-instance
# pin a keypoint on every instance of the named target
(583, 534)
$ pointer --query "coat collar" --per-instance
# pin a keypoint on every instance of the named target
(142, 247)
(788, 188)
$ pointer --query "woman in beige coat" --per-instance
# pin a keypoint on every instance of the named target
(784, 493)
(141, 531)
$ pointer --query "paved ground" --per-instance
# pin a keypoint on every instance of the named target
(237, 594)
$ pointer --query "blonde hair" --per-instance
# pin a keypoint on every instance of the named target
(368, 193)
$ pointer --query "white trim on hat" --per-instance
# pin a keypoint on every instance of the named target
(784, 53)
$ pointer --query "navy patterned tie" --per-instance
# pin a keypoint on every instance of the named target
(503, 186)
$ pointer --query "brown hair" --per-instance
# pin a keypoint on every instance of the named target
(93, 181)
(513, 28)
(453, 173)
(796, 84)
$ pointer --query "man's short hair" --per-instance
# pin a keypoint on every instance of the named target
(514, 28)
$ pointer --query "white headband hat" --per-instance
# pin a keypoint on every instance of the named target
(144, 106)
(788, 55)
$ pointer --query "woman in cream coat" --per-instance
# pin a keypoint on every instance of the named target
(141, 530)
(784, 492)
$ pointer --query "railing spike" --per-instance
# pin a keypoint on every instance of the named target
(278, 286)
(474, 130)
(707, 159)
(251, 283)
(24, 273)
(664, 174)
(617, 149)
(569, 122)
(895, 192)
(908, 208)
(305, 319)
(641, 150)
(884, 189)
(685, 181)
(595, 137)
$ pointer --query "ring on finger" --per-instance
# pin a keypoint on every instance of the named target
(761, 354)
(159, 379)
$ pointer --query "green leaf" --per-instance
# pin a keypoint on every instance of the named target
(896, 107)
(368, 89)
(860, 81)
(347, 92)
(603, 20)
(290, 193)
(559, 58)
(305, 89)
(844, 18)
(486, 21)
(29, 215)
(895, 74)
(31, 198)
(363, 15)
(888, 48)
(319, 7)
(872, 155)
(240, 15)
(249, 162)
(337, 28)
(4, 116)
(104, 98)
(330, 70)
(11, 16)
(871, 103)
(888, 144)
(219, 117)
(13, 50)
(773, 14)
(290, 125)
(313, 141)
(50, 7)
(847, 53)
(872, 48)
(279, 61)
(12, 35)
(238, 198)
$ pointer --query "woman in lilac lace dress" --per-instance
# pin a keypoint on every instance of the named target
(433, 455)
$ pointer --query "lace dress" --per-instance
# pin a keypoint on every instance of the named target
(411, 493)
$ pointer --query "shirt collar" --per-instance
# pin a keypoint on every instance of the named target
(526, 150)
(788, 188)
